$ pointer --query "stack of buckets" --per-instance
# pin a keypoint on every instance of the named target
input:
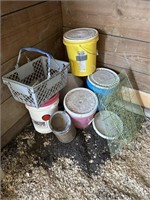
(80, 103)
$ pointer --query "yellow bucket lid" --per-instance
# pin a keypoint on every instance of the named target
(80, 34)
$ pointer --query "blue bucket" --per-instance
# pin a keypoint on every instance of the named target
(103, 81)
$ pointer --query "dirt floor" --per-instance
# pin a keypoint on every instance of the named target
(39, 167)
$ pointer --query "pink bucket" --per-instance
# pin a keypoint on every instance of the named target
(81, 104)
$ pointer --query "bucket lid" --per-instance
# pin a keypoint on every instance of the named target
(107, 125)
(104, 77)
(80, 101)
(81, 34)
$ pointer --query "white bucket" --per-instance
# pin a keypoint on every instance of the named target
(41, 116)
(108, 125)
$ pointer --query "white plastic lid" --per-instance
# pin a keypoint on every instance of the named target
(107, 125)
(81, 34)
(104, 77)
(81, 101)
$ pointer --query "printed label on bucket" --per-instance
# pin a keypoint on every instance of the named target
(42, 124)
(81, 56)
(81, 59)
(82, 66)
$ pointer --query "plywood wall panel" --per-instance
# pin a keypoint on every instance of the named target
(27, 24)
(15, 130)
(13, 6)
(11, 111)
(124, 53)
(122, 18)
(29, 27)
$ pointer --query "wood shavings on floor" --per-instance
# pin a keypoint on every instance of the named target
(39, 167)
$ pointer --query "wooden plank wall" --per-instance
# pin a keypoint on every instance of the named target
(25, 24)
(124, 35)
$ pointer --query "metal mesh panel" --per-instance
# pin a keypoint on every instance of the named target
(121, 103)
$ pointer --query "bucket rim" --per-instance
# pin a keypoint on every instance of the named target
(68, 42)
(68, 126)
(87, 38)
(80, 115)
(51, 100)
(100, 86)
(100, 133)
(43, 107)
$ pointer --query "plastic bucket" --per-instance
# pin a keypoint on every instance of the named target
(41, 116)
(103, 81)
(81, 104)
(62, 127)
(81, 48)
(108, 125)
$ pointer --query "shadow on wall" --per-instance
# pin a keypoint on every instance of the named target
(101, 47)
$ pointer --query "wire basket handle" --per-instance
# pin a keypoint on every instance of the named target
(35, 50)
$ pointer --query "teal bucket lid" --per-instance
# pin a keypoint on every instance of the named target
(104, 78)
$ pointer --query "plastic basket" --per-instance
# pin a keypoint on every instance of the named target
(38, 80)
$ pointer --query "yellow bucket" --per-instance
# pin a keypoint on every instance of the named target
(81, 44)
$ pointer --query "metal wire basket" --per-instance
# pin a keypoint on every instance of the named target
(38, 80)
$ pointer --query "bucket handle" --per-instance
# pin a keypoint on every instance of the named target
(49, 56)
(95, 54)
(91, 121)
